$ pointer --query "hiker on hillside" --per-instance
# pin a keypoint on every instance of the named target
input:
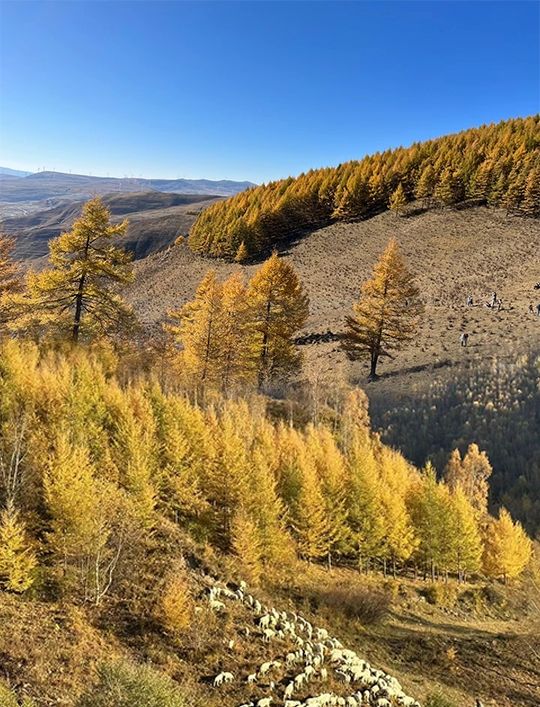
(469, 301)
(538, 310)
(463, 339)
(531, 308)
(493, 299)
(499, 305)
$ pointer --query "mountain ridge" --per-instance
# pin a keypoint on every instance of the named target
(49, 184)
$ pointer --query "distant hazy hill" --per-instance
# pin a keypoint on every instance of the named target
(155, 220)
(48, 185)
(8, 172)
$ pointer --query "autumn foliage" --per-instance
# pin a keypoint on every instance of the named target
(497, 164)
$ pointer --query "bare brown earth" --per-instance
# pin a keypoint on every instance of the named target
(452, 252)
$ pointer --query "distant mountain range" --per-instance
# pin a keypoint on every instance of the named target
(8, 172)
(155, 220)
(20, 186)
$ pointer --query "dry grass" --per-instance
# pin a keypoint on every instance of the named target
(453, 253)
(52, 652)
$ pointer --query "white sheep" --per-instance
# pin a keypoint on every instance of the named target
(264, 702)
(216, 605)
(289, 690)
(268, 633)
(223, 678)
(252, 679)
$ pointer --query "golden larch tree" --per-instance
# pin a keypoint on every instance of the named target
(467, 540)
(197, 326)
(507, 549)
(79, 291)
(471, 474)
(17, 559)
(279, 307)
(10, 278)
(387, 314)
(398, 200)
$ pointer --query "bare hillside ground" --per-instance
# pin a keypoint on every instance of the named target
(453, 253)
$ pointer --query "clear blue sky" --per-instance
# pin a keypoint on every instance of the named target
(253, 90)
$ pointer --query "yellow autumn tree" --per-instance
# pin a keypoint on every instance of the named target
(279, 307)
(175, 606)
(237, 338)
(466, 542)
(387, 314)
(507, 549)
(197, 327)
(246, 545)
(78, 293)
(398, 200)
(364, 503)
(471, 474)
(10, 278)
(17, 559)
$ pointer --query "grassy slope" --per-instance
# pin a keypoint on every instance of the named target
(468, 649)
(453, 253)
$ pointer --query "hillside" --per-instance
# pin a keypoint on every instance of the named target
(47, 185)
(472, 642)
(495, 164)
(193, 539)
(453, 253)
(155, 220)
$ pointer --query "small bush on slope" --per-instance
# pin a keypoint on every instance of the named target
(124, 684)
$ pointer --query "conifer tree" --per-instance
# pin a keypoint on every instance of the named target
(429, 504)
(398, 200)
(242, 253)
(197, 326)
(78, 290)
(17, 560)
(507, 549)
(10, 281)
(364, 503)
(386, 316)
(531, 199)
(312, 527)
(426, 185)
(266, 507)
(399, 541)
(449, 189)
(279, 309)
(331, 470)
(238, 337)
(246, 546)
(467, 542)
(471, 475)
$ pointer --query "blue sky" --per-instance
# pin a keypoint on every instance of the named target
(252, 90)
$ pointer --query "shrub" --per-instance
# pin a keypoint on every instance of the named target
(368, 605)
(440, 594)
(175, 605)
(9, 699)
(124, 684)
(437, 699)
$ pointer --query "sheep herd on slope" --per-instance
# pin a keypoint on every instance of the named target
(315, 656)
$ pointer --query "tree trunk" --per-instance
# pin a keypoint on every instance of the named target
(78, 309)
(264, 352)
(79, 296)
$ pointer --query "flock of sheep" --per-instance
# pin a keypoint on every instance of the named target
(314, 658)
